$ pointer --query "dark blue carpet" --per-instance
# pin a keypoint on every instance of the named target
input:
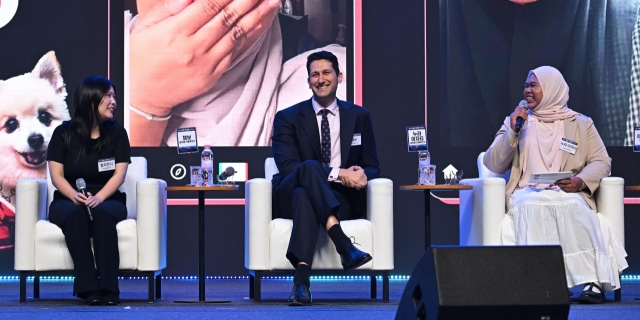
(347, 299)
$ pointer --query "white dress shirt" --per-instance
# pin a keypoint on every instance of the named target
(334, 129)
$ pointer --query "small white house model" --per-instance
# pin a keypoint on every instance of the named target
(449, 172)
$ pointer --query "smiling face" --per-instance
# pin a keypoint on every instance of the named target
(107, 106)
(323, 81)
(532, 91)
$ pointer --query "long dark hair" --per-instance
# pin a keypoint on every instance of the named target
(88, 96)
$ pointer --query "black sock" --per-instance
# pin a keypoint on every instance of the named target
(303, 273)
(339, 238)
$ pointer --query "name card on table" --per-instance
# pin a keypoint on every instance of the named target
(416, 138)
(187, 140)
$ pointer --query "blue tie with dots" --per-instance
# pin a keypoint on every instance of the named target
(326, 138)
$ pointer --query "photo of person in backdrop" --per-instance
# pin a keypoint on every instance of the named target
(225, 67)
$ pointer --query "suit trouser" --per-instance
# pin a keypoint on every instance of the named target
(306, 197)
(78, 230)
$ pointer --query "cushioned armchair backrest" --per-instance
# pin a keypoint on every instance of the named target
(270, 168)
(137, 171)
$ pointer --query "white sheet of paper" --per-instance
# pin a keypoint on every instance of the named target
(549, 177)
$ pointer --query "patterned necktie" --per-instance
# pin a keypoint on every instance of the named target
(326, 138)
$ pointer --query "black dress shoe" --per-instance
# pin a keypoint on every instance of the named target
(591, 297)
(300, 295)
(353, 258)
(111, 299)
(94, 299)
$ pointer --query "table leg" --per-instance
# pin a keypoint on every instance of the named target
(201, 276)
(201, 273)
(427, 219)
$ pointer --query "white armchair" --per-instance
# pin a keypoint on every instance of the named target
(483, 208)
(266, 240)
(40, 248)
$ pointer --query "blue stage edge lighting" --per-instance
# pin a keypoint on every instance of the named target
(628, 277)
(195, 278)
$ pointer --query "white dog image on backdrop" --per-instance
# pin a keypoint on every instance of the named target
(32, 105)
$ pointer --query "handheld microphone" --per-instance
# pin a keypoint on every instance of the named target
(519, 120)
(228, 172)
(82, 188)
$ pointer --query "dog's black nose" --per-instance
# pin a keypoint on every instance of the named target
(35, 141)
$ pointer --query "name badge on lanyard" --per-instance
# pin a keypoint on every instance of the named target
(107, 164)
(568, 146)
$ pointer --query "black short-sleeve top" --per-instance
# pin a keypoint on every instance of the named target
(118, 148)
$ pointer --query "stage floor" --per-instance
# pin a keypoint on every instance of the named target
(332, 300)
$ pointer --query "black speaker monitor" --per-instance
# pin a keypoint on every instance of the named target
(506, 282)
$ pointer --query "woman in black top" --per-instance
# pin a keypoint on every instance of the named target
(92, 146)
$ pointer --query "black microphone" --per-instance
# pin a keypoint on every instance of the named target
(228, 172)
(82, 188)
(519, 120)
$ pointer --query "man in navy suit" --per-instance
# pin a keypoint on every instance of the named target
(325, 151)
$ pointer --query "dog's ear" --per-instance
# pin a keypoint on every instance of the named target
(48, 69)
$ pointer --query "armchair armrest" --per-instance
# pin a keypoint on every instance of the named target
(31, 206)
(380, 213)
(610, 202)
(151, 208)
(481, 211)
(257, 222)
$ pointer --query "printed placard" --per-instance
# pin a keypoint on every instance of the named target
(636, 139)
(549, 177)
(416, 138)
(187, 140)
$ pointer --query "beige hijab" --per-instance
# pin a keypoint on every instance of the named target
(545, 126)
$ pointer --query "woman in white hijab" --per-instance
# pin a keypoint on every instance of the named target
(564, 213)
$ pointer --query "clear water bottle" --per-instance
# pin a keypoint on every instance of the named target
(288, 7)
(424, 163)
(206, 165)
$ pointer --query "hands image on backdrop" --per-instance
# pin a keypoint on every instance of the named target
(224, 69)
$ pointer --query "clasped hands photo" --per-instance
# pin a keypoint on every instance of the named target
(233, 54)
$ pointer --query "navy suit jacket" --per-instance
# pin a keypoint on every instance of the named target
(296, 139)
